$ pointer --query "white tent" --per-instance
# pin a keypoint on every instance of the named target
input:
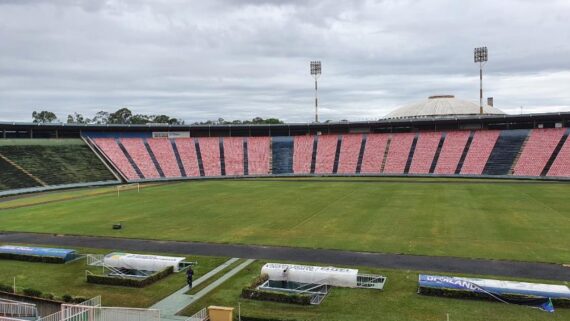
(142, 262)
(311, 274)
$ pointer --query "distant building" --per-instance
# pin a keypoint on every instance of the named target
(442, 106)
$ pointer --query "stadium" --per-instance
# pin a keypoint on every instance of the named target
(439, 187)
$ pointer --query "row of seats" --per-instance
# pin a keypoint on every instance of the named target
(444, 153)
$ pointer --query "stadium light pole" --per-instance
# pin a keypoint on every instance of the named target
(480, 56)
(316, 72)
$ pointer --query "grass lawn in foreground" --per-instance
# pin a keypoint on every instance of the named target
(452, 217)
(61, 279)
(397, 302)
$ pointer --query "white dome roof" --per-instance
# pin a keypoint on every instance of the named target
(441, 106)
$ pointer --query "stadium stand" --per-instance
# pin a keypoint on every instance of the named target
(187, 151)
(258, 155)
(425, 152)
(479, 152)
(505, 152)
(210, 152)
(114, 153)
(233, 156)
(282, 155)
(349, 151)
(138, 152)
(302, 154)
(537, 151)
(561, 165)
(326, 149)
(398, 153)
(13, 177)
(164, 154)
(374, 153)
(52, 162)
(451, 151)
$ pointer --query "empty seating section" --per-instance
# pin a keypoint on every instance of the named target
(162, 150)
(451, 152)
(14, 178)
(537, 150)
(326, 148)
(258, 155)
(56, 162)
(479, 151)
(187, 151)
(398, 153)
(561, 165)
(210, 150)
(425, 152)
(111, 149)
(302, 154)
(138, 152)
(233, 155)
(374, 153)
(349, 150)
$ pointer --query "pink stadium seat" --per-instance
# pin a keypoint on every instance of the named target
(112, 150)
(349, 150)
(210, 150)
(451, 152)
(326, 149)
(258, 151)
(164, 154)
(187, 151)
(537, 150)
(233, 155)
(479, 151)
(425, 152)
(136, 148)
(398, 153)
(561, 165)
(302, 154)
(374, 153)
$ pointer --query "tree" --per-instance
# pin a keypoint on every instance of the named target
(43, 116)
(101, 118)
(138, 119)
(121, 116)
(77, 119)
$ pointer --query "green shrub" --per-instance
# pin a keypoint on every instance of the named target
(6, 288)
(48, 296)
(130, 282)
(260, 295)
(78, 299)
(67, 298)
(31, 258)
(32, 292)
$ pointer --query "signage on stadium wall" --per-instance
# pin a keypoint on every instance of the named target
(170, 134)
(494, 286)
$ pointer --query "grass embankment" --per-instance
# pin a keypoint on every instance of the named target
(61, 279)
(397, 302)
(464, 218)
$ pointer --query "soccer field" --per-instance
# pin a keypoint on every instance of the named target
(454, 217)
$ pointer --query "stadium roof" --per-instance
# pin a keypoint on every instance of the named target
(442, 106)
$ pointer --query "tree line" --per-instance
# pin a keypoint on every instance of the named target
(126, 116)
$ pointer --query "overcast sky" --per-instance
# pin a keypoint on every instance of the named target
(199, 60)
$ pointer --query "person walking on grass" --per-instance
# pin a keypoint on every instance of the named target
(189, 276)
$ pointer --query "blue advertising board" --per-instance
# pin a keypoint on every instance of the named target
(64, 254)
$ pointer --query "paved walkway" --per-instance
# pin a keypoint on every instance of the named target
(179, 300)
(318, 256)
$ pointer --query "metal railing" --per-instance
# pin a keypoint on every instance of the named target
(18, 309)
(201, 315)
(370, 281)
(59, 316)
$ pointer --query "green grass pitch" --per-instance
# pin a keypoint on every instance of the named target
(454, 217)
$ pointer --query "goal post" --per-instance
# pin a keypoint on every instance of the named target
(128, 187)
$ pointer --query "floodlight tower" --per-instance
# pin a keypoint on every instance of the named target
(316, 72)
(480, 56)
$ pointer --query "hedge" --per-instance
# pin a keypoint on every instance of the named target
(130, 282)
(31, 258)
(451, 293)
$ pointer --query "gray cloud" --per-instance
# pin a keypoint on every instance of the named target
(238, 59)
